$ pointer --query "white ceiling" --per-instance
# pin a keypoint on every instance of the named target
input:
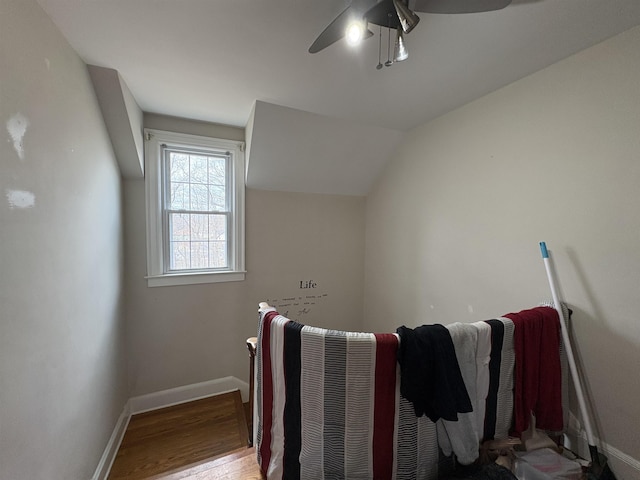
(211, 60)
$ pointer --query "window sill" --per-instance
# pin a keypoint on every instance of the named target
(193, 278)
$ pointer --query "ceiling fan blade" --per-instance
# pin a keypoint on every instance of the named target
(334, 31)
(459, 6)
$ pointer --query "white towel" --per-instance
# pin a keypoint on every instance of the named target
(462, 437)
(275, 470)
(483, 357)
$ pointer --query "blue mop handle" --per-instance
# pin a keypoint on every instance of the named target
(543, 249)
(582, 404)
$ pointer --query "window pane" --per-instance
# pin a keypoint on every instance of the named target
(217, 198)
(218, 228)
(199, 255)
(217, 170)
(199, 227)
(199, 197)
(179, 167)
(198, 172)
(179, 229)
(197, 241)
(218, 254)
(180, 258)
(179, 196)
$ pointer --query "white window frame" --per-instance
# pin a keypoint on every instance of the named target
(154, 164)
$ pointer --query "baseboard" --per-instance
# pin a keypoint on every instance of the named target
(188, 393)
(110, 452)
(622, 465)
(161, 399)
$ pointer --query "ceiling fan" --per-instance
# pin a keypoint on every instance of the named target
(393, 14)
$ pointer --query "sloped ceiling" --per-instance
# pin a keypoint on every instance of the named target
(293, 150)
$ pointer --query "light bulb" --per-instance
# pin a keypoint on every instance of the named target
(355, 33)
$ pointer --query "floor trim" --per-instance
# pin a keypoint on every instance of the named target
(111, 450)
(188, 393)
(615, 458)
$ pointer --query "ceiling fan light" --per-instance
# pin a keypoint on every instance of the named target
(400, 51)
(356, 31)
(408, 19)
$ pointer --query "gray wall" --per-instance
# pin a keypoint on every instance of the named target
(181, 335)
(62, 364)
(454, 223)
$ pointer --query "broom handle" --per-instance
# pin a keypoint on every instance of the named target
(567, 344)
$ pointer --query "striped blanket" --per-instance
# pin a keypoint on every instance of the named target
(328, 406)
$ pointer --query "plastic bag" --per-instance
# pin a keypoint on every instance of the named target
(545, 464)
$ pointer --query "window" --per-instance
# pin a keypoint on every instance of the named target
(195, 209)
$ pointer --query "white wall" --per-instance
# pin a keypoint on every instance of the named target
(454, 223)
(181, 335)
(62, 365)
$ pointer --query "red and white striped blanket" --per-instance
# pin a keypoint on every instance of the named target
(328, 406)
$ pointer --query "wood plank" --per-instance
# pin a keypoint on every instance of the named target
(240, 464)
(182, 435)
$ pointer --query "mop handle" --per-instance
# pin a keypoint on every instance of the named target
(567, 344)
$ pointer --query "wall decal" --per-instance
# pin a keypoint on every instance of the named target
(297, 306)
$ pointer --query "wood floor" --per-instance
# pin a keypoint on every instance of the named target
(199, 440)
